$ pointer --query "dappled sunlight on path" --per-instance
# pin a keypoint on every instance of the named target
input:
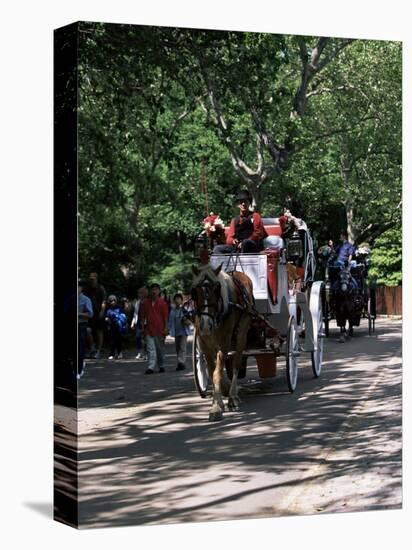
(148, 454)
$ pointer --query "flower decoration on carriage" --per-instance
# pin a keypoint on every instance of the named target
(214, 227)
(363, 249)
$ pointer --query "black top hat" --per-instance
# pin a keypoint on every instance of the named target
(244, 195)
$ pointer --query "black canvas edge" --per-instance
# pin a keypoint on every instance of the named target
(65, 274)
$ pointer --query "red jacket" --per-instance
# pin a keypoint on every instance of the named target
(154, 316)
(283, 221)
(259, 232)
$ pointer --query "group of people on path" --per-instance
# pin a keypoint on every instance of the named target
(153, 319)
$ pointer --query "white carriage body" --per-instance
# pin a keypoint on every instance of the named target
(277, 309)
(255, 266)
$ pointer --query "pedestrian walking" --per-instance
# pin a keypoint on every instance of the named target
(179, 328)
(116, 326)
(84, 313)
(153, 317)
(97, 294)
(141, 355)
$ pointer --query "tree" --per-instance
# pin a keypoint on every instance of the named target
(386, 259)
(305, 122)
(257, 86)
(353, 140)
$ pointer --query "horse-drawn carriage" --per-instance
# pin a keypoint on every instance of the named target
(284, 316)
(348, 296)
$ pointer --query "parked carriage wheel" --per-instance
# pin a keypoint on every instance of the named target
(292, 352)
(200, 370)
(319, 331)
(372, 308)
(325, 311)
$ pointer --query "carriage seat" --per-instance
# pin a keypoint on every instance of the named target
(272, 228)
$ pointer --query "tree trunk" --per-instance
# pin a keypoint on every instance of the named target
(350, 222)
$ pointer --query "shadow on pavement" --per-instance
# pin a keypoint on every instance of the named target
(149, 455)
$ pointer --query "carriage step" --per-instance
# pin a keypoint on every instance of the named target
(251, 352)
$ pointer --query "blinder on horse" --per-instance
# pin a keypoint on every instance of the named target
(345, 282)
(202, 295)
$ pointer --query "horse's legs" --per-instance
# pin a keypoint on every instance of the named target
(234, 400)
(216, 412)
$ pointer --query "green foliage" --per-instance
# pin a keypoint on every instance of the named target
(148, 143)
(173, 273)
(386, 260)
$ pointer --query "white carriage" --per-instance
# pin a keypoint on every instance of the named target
(295, 310)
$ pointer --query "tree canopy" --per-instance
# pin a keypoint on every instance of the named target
(168, 114)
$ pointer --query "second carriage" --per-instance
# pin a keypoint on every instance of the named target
(362, 299)
(295, 311)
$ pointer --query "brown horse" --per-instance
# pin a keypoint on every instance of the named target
(222, 324)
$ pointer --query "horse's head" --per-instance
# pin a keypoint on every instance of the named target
(344, 281)
(207, 295)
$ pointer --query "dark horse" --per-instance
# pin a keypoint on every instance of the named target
(344, 298)
(222, 324)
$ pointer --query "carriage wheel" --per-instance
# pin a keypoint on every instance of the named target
(319, 328)
(292, 352)
(325, 307)
(200, 370)
(372, 307)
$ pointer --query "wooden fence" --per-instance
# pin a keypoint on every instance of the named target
(389, 300)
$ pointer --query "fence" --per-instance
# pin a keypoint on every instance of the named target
(389, 300)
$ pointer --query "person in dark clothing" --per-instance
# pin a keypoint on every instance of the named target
(343, 253)
(85, 312)
(179, 328)
(97, 295)
(246, 231)
(116, 325)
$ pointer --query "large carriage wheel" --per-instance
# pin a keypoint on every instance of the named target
(200, 370)
(292, 352)
(315, 305)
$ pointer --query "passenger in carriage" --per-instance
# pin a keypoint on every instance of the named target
(288, 225)
(343, 251)
(246, 231)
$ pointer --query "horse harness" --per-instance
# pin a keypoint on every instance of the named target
(213, 288)
(244, 304)
(209, 288)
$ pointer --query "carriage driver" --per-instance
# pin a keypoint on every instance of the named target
(246, 231)
(344, 252)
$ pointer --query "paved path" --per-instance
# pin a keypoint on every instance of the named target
(148, 455)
